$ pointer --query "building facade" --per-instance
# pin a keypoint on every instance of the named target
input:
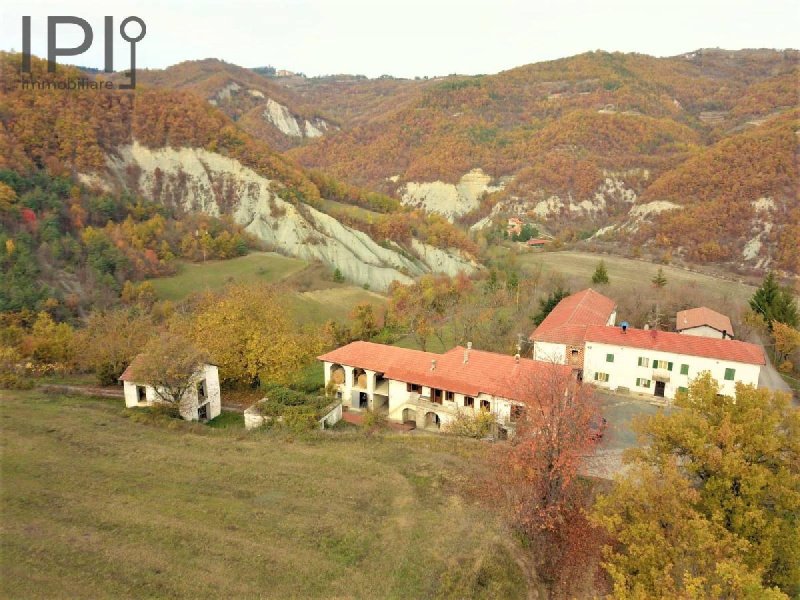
(429, 389)
(704, 322)
(201, 402)
(663, 363)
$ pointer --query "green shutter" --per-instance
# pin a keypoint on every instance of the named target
(609, 358)
(669, 366)
(684, 369)
(638, 380)
(640, 361)
(596, 376)
(729, 374)
(683, 389)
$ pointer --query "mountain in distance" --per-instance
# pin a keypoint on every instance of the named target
(176, 148)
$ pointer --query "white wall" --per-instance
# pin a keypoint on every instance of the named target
(703, 331)
(550, 352)
(624, 371)
(188, 409)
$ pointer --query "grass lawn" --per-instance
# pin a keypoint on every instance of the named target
(214, 274)
(319, 306)
(98, 504)
(626, 274)
(227, 419)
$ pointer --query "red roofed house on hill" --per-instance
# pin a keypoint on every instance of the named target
(430, 389)
(559, 338)
(704, 322)
(580, 332)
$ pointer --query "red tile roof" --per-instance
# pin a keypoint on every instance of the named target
(127, 374)
(697, 317)
(488, 372)
(567, 322)
(537, 242)
(667, 341)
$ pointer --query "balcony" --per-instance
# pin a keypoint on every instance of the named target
(661, 375)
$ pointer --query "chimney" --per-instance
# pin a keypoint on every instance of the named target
(624, 325)
(516, 357)
(646, 326)
(433, 364)
(724, 333)
(466, 352)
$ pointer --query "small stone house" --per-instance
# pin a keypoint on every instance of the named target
(201, 402)
(704, 322)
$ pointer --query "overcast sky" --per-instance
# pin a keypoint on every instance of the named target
(409, 37)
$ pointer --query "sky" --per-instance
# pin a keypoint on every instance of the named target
(404, 38)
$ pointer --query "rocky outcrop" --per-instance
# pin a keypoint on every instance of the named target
(448, 199)
(290, 125)
(197, 180)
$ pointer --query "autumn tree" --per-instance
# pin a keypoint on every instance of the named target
(659, 280)
(364, 323)
(709, 507)
(110, 341)
(775, 302)
(600, 275)
(169, 363)
(249, 332)
(787, 342)
(424, 307)
(537, 473)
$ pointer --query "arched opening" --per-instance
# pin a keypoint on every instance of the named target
(409, 415)
(360, 378)
(432, 421)
(337, 374)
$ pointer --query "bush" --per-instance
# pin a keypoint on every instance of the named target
(374, 420)
(477, 425)
(13, 381)
(300, 418)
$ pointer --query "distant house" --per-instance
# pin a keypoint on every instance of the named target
(430, 389)
(704, 322)
(560, 337)
(662, 363)
(514, 226)
(201, 402)
(537, 242)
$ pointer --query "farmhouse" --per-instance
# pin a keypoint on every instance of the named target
(201, 402)
(580, 332)
(430, 389)
(663, 362)
(704, 322)
(560, 337)
(537, 242)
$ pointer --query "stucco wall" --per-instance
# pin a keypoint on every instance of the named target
(189, 405)
(624, 371)
(550, 352)
(703, 331)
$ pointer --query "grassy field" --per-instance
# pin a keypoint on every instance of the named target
(214, 274)
(334, 303)
(96, 503)
(626, 274)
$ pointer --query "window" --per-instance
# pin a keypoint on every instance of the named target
(436, 396)
(730, 374)
(450, 396)
(609, 358)
(662, 364)
(486, 405)
(575, 352)
(469, 401)
(645, 383)
(601, 376)
(644, 361)
(201, 391)
(516, 412)
(684, 369)
(683, 389)
(413, 387)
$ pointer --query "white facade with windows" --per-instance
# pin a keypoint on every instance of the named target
(657, 372)
(201, 402)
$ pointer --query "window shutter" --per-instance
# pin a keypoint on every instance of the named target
(669, 366)
(640, 361)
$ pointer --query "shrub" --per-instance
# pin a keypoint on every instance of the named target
(374, 420)
(467, 424)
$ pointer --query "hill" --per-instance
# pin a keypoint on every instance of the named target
(577, 144)
(248, 515)
(175, 149)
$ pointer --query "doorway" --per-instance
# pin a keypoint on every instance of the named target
(141, 394)
(202, 412)
(660, 386)
(363, 400)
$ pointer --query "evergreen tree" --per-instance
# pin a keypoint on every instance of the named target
(600, 273)
(659, 281)
(775, 302)
(546, 305)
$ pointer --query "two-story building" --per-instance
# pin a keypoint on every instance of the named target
(201, 402)
(560, 337)
(430, 389)
(663, 363)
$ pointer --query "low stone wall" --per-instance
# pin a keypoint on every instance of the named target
(254, 419)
